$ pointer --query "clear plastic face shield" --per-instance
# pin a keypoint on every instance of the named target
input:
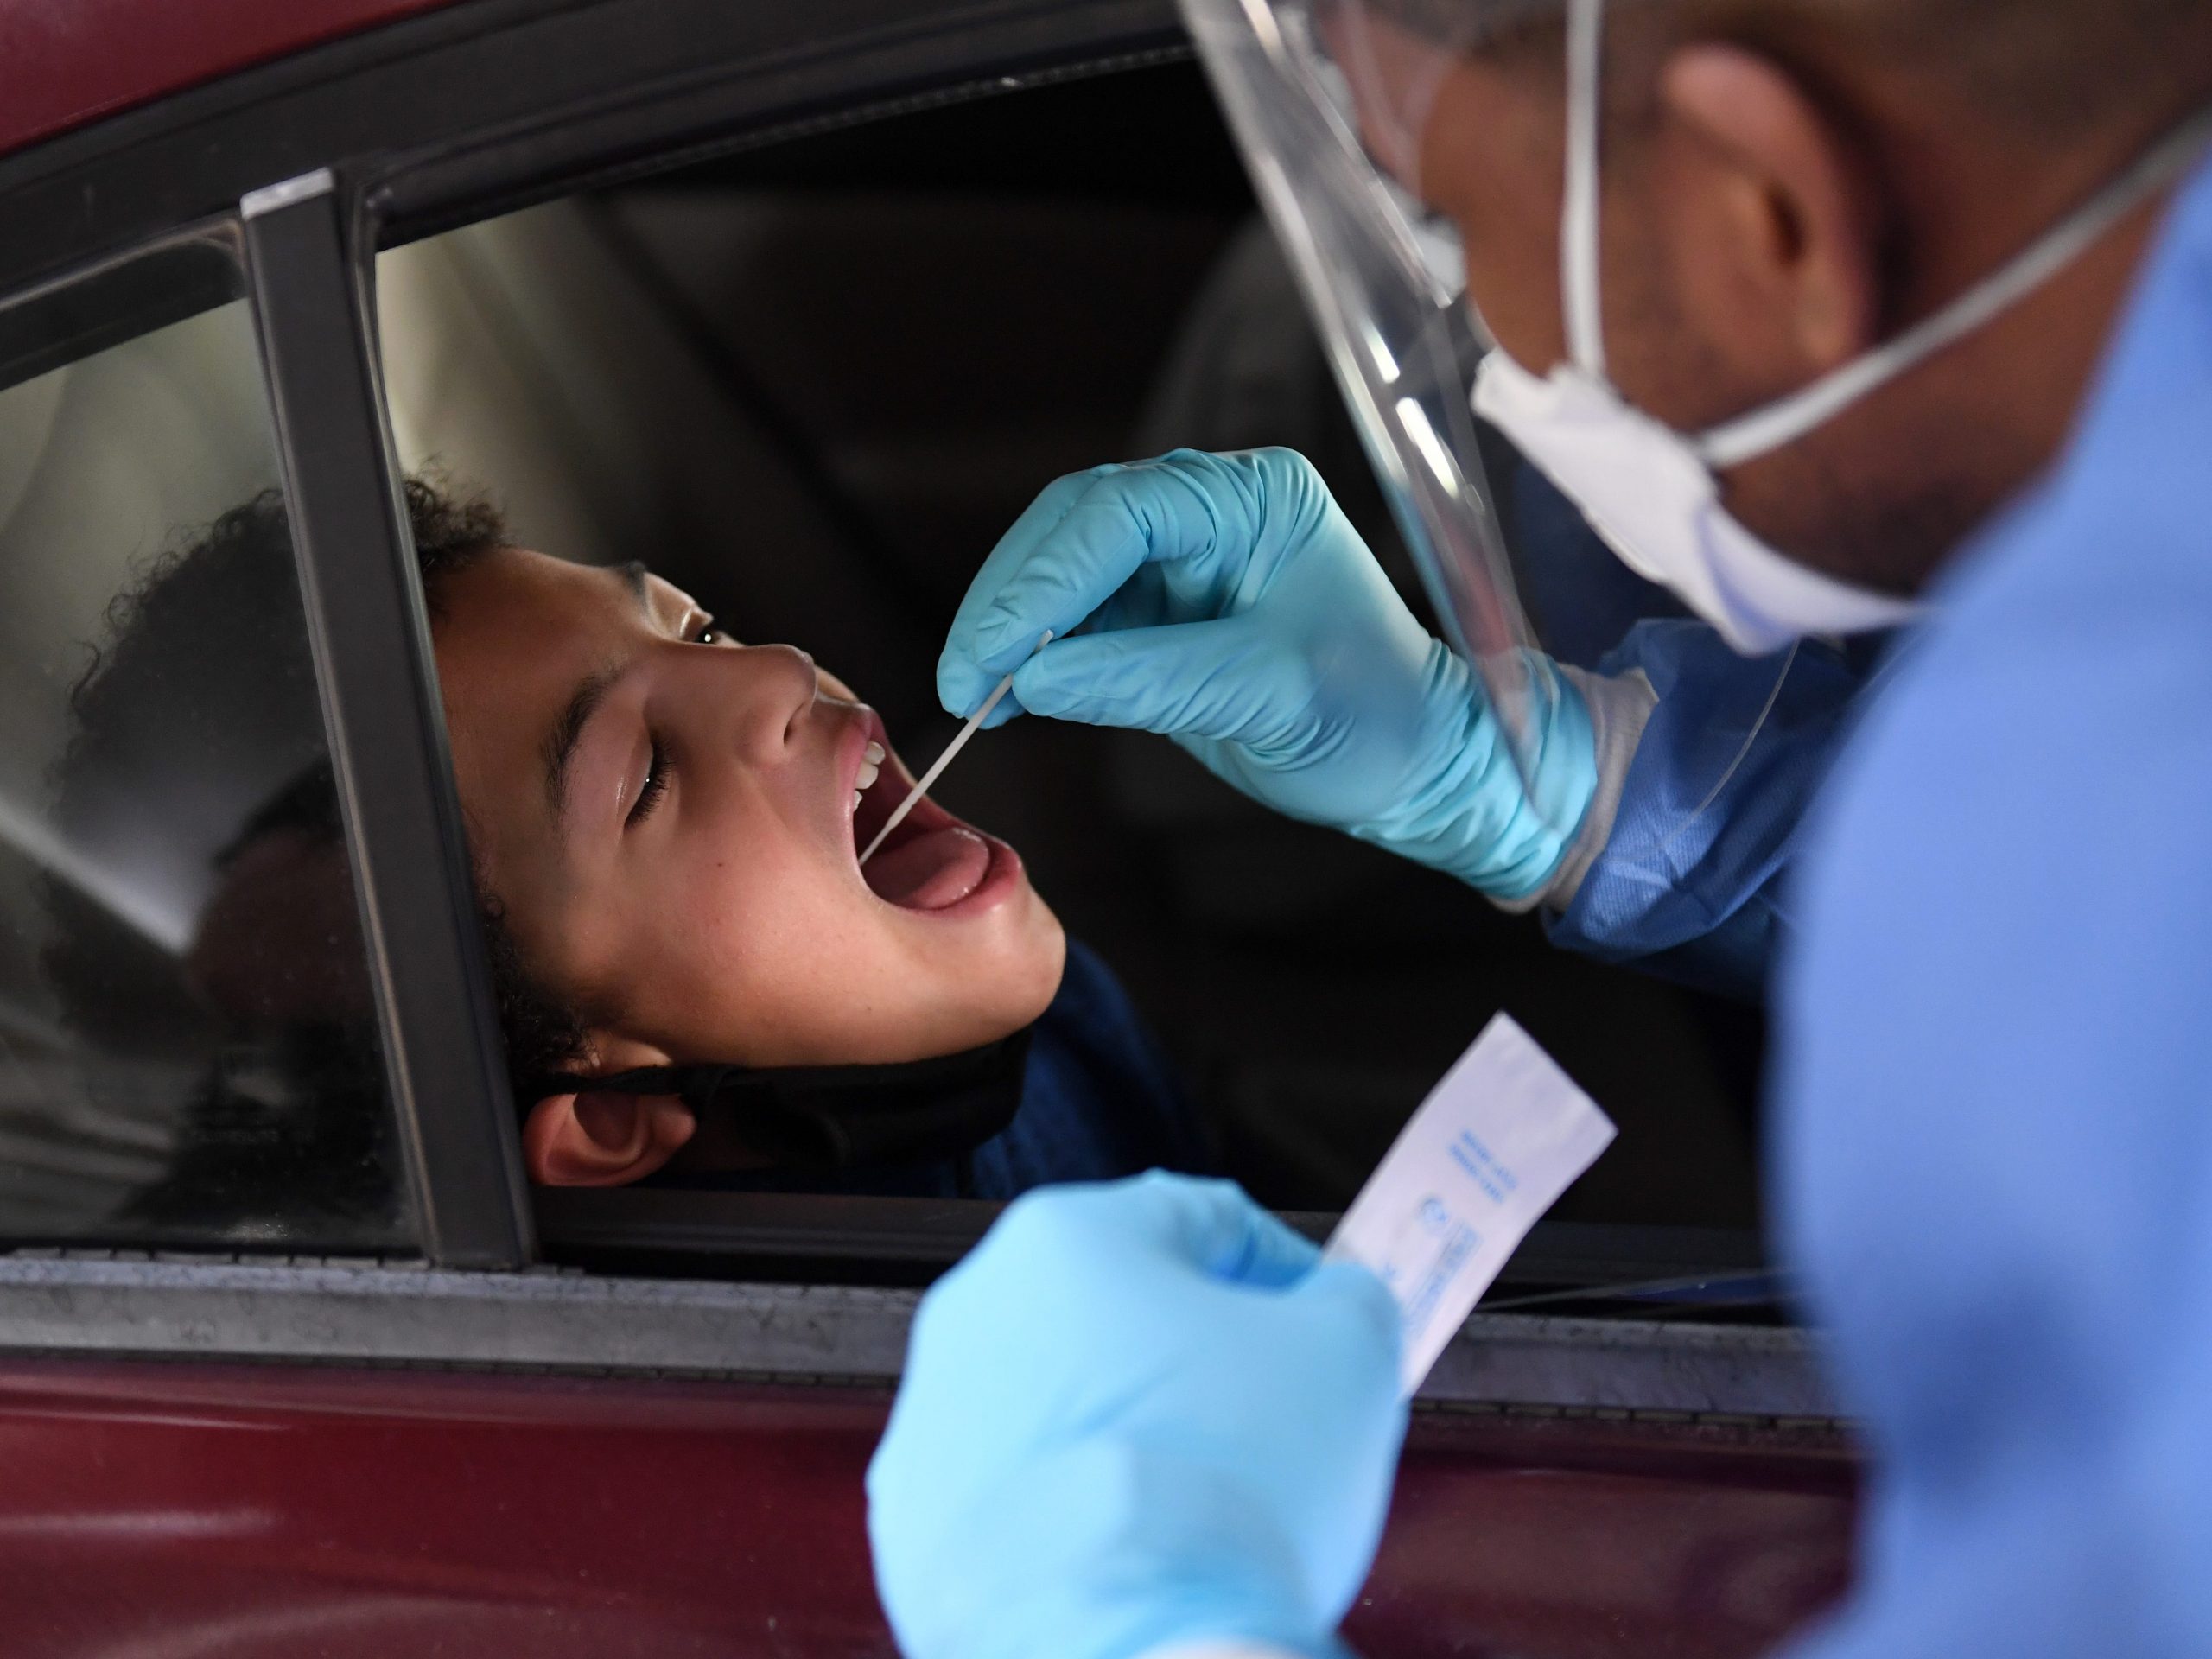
(1328, 100)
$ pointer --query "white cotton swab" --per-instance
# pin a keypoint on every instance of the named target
(960, 742)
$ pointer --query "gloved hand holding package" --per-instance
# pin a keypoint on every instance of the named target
(1138, 1414)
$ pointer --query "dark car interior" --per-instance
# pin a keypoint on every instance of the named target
(812, 382)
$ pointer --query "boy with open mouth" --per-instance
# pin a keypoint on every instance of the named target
(669, 824)
(697, 982)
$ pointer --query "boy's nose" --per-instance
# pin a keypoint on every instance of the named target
(766, 691)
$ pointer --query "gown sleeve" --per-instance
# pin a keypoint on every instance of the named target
(1689, 880)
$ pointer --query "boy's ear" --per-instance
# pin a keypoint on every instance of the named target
(602, 1139)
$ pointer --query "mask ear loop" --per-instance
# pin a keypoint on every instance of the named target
(1581, 298)
(1582, 294)
(1762, 430)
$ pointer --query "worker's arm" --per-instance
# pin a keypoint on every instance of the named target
(1139, 1419)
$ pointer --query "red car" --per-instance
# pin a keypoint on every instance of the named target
(291, 1359)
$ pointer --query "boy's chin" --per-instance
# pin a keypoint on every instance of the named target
(1002, 998)
(1051, 964)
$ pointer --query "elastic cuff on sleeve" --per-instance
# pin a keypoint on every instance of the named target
(1620, 707)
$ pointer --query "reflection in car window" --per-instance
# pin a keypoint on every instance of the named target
(188, 1049)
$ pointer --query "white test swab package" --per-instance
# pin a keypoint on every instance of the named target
(1491, 1149)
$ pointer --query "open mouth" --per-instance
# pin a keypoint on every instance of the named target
(932, 861)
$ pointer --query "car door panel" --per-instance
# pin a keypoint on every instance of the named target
(176, 1508)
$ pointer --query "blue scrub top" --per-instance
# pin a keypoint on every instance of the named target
(1994, 1070)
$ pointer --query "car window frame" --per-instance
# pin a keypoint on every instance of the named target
(834, 1239)
(897, 62)
(443, 119)
(371, 639)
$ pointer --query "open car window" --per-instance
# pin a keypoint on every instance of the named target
(809, 386)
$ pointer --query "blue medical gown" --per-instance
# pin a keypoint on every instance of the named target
(1691, 883)
(1994, 1070)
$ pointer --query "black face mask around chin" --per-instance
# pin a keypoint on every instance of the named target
(837, 1117)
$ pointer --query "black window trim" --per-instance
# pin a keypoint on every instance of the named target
(389, 754)
(1648, 1272)
(28, 353)
(485, 97)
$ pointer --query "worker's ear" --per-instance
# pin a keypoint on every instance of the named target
(602, 1139)
(1769, 211)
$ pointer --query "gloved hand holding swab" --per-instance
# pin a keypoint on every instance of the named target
(938, 767)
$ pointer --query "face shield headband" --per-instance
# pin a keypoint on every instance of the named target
(837, 1117)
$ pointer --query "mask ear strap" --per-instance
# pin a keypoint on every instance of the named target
(683, 1081)
(1579, 293)
(840, 1117)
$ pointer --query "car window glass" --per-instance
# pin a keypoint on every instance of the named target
(187, 1048)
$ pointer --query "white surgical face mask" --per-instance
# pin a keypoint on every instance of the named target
(1651, 492)
(1657, 505)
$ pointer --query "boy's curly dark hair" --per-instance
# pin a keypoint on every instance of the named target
(209, 634)
(542, 1032)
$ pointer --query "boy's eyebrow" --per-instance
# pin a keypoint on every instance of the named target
(560, 745)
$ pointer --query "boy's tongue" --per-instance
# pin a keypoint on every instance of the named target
(930, 870)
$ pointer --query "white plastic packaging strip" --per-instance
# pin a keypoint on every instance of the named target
(1491, 1149)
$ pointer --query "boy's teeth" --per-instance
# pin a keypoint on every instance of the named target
(871, 769)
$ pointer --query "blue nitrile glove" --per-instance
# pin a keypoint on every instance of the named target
(1226, 601)
(1138, 1413)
